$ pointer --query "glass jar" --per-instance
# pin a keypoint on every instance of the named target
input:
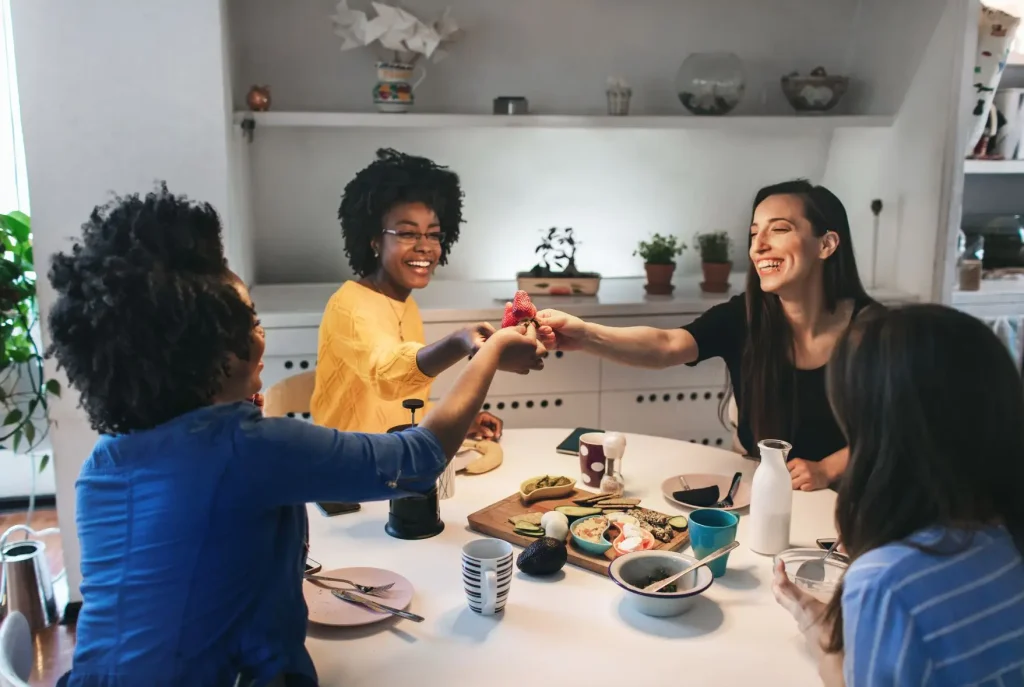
(710, 83)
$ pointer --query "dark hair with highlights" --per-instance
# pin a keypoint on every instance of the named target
(931, 404)
(392, 179)
(768, 397)
(147, 317)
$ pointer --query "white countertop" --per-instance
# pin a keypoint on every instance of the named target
(572, 629)
(301, 305)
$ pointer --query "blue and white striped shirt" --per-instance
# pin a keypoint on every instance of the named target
(916, 618)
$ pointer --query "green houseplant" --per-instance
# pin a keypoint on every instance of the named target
(659, 256)
(715, 262)
(24, 390)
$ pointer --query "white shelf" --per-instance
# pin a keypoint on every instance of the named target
(416, 120)
(993, 166)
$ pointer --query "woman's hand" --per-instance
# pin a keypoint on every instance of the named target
(486, 426)
(561, 331)
(473, 337)
(805, 609)
(520, 349)
(809, 614)
(808, 475)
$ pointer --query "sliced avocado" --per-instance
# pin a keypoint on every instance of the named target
(679, 522)
(577, 512)
(543, 557)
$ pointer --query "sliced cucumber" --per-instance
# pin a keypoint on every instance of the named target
(529, 533)
(577, 512)
(678, 522)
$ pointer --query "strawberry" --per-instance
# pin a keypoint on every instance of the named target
(518, 310)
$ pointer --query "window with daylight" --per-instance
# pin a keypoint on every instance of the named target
(13, 179)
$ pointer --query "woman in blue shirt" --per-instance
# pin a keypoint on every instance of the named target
(930, 509)
(190, 510)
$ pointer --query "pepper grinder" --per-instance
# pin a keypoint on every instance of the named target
(414, 517)
(614, 447)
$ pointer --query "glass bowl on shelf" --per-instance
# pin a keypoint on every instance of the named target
(710, 83)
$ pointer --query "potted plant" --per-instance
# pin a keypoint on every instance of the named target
(24, 391)
(659, 262)
(556, 274)
(714, 256)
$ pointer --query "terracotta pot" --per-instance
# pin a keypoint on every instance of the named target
(716, 276)
(659, 278)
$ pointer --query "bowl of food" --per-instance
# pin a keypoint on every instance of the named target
(588, 534)
(642, 568)
(835, 566)
(546, 487)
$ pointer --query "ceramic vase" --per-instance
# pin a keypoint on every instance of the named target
(995, 35)
(394, 90)
(771, 500)
(1008, 103)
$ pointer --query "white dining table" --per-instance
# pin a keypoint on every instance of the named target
(572, 629)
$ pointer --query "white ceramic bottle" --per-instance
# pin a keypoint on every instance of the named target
(771, 500)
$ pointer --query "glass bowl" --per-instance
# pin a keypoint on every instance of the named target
(835, 567)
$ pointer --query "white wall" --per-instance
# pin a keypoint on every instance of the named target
(115, 94)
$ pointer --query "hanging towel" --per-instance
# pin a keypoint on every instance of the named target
(1010, 331)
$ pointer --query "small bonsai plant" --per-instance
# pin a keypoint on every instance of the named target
(659, 255)
(715, 262)
(660, 250)
(557, 251)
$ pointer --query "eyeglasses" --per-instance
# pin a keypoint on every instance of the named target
(412, 237)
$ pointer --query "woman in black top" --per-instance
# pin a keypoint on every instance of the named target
(803, 291)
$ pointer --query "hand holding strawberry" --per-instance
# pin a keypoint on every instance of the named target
(519, 310)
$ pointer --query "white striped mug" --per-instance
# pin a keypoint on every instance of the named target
(487, 574)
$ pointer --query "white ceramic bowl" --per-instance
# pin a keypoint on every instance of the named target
(631, 572)
(835, 567)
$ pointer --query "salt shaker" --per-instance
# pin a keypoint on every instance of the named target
(614, 447)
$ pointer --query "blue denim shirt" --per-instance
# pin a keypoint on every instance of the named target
(192, 540)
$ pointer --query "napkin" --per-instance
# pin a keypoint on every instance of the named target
(703, 497)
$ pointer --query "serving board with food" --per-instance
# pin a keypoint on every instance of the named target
(558, 523)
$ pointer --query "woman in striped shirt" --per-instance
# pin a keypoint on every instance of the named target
(930, 510)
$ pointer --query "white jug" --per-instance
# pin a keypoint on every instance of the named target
(771, 500)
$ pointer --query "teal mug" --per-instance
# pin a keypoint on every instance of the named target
(710, 530)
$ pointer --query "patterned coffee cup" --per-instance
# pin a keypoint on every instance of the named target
(592, 459)
(487, 574)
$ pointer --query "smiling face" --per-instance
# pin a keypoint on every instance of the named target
(410, 245)
(244, 376)
(784, 250)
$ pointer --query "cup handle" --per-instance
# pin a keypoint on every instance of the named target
(488, 591)
(423, 75)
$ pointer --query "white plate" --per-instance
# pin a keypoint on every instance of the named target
(327, 609)
(700, 480)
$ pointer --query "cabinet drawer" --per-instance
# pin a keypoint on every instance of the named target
(291, 341)
(690, 414)
(519, 411)
(615, 377)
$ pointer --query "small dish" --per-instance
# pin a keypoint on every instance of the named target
(647, 541)
(544, 493)
(327, 609)
(835, 568)
(633, 572)
(699, 480)
(587, 545)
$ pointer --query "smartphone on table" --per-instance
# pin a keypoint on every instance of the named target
(570, 446)
(332, 508)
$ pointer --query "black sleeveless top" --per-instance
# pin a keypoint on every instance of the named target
(721, 332)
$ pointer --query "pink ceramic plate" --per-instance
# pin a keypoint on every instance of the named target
(327, 609)
(698, 480)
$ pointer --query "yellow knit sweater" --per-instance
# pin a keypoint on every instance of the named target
(366, 361)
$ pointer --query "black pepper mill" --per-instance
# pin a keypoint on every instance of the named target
(414, 517)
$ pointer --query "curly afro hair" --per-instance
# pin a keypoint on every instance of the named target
(395, 178)
(147, 315)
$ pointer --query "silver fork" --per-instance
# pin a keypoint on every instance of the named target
(365, 589)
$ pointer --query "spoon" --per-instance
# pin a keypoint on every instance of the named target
(814, 570)
(703, 561)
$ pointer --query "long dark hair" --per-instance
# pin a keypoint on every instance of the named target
(767, 397)
(932, 406)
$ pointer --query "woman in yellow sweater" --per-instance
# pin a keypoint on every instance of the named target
(399, 217)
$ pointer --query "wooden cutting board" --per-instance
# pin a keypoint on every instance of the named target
(493, 521)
